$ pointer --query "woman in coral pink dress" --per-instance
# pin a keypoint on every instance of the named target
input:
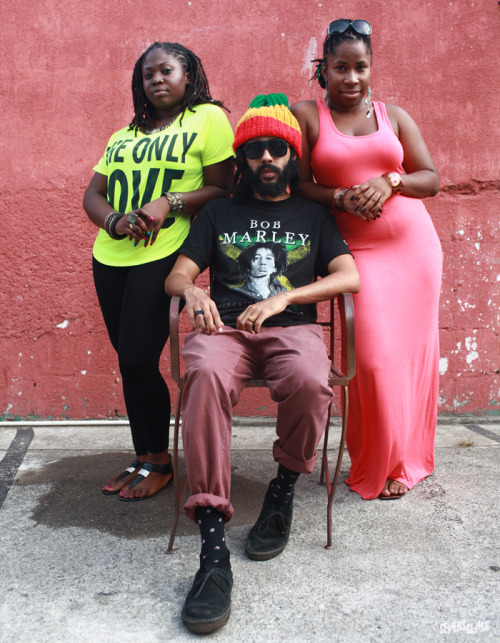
(369, 163)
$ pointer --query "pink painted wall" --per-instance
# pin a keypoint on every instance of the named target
(66, 71)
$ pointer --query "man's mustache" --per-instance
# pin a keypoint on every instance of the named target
(269, 166)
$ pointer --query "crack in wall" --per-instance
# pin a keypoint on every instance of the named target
(471, 187)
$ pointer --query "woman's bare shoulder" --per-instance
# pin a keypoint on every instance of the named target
(304, 107)
(396, 112)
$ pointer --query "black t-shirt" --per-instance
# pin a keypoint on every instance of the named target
(259, 248)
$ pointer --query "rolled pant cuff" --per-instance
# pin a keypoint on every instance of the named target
(208, 500)
(299, 466)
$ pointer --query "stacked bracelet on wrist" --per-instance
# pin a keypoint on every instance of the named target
(175, 201)
(110, 225)
(338, 198)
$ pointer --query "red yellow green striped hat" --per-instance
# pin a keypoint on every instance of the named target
(269, 115)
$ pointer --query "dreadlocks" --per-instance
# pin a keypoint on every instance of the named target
(197, 92)
(330, 47)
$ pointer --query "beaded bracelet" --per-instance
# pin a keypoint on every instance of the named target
(106, 220)
(110, 225)
(175, 201)
(338, 198)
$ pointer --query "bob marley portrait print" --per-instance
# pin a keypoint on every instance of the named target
(262, 266)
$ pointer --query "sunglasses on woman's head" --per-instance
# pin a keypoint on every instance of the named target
(255, 149)
(361, 27)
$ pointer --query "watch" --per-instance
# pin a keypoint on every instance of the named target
(394, 180)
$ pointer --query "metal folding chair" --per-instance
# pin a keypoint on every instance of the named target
(339, 376)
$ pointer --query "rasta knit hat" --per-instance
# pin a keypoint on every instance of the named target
(269, 115)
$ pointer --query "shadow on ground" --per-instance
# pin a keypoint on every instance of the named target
(75, 500)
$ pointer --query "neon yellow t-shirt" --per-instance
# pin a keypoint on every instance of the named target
(139, 168)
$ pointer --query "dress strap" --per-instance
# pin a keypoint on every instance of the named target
(323, 110)
(381, 114)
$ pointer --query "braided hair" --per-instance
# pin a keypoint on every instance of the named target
(197, 91)
(330, 47)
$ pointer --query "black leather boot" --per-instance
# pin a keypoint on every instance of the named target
(269, 536)
(208, 604)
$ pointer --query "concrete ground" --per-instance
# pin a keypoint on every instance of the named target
(78, 565)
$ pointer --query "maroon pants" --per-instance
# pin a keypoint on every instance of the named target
(294, 362)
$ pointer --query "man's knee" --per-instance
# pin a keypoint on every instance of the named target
(307, 381)
(204, 373)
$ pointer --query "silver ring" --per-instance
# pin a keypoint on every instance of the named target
(198, 312)
(131, 225)
(132, 217)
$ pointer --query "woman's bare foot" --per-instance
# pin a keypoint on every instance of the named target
(393, 489)
(116, 484)
(157, 476)
(147, 487)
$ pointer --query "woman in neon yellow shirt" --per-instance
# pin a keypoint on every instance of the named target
(156, 173)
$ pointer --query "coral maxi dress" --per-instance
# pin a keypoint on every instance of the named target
(393, 398)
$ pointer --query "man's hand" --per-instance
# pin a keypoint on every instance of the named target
(202, 311)
(255, 315)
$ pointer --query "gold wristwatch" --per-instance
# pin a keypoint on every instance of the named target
(394, 180)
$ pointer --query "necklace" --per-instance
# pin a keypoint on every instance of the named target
(160, 129)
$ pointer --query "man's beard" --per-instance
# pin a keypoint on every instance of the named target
(273, 189)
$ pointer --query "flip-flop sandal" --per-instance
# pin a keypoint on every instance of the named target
(135, 465)
(144, 472)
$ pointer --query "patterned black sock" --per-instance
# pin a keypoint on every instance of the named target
(213, 538)
(283, 486)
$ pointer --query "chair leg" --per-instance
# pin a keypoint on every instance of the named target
(325, 446)
(173, 531)
(333, 485)
(178, 496)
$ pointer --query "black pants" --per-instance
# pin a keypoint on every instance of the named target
(135, 310)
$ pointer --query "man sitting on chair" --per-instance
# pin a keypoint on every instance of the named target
(239, 335)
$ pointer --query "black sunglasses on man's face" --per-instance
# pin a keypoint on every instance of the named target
(255, 149)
